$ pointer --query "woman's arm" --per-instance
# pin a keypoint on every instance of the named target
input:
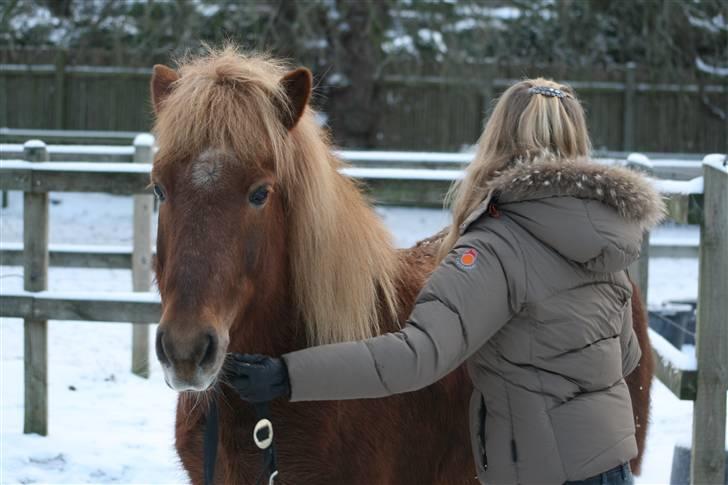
(464, 303)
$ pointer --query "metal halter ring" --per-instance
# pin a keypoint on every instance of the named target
(547, 91)
(263, 426)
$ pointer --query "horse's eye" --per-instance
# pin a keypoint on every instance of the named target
(259, 196)
(159, 192)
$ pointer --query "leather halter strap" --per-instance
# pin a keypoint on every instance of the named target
(262, 436)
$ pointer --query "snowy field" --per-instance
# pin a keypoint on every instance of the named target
(109, 426)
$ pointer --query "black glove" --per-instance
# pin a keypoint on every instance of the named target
(257, 378)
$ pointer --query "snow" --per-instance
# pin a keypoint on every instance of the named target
(402, 174)
(684, 187)
(670, 424)
(433, 38)
(34, 144)
(144, 140)
(502, 13)
(678, 359)
(684, 235)
(93, 149)
(206, 10)
(705, 67)
(107, 425)
(465, 24)
(717, 161)
(337, 79)
(672, 279)
(354, 156)
(714, 25)
(399, 43)
(41, 17)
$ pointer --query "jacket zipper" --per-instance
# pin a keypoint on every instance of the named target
(481, 434)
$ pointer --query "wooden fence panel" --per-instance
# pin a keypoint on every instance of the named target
(107, 101)
(28, 99)
(423, 107)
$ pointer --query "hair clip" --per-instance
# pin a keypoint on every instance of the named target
(546, 91)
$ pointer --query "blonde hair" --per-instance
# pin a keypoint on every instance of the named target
(344, 266)
(523, 126)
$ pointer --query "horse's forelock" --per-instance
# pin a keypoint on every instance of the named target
(227, 101)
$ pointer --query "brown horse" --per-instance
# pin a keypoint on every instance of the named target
(263, 247)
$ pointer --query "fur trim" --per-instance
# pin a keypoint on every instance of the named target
(628, 192)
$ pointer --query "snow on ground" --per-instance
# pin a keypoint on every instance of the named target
(109, 426)
(672, 279)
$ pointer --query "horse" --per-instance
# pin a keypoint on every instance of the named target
(264, 247)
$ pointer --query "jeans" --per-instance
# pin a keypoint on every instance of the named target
(621, 475)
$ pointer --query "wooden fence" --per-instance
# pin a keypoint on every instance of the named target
(35, 176)
(420, 107)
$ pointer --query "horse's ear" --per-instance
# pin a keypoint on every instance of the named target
(297, 85)
(162, 79)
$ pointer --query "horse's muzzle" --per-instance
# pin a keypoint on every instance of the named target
(191, 360)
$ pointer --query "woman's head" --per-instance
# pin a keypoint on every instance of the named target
(533, 118)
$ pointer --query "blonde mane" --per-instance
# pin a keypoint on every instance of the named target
(343, 262)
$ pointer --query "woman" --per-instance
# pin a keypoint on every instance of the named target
(531, 292)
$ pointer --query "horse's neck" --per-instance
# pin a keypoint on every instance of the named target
(417, 263)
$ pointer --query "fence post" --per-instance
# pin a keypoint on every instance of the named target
(628, 124)
(35, 271)
(639, 270)
(141, 266)
(709, 411)
(59, 115)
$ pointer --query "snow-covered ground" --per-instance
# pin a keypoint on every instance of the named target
(107, 425)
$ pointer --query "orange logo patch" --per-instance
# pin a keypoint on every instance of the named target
(467, 259)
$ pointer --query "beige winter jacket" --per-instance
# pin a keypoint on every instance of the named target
(536, 299)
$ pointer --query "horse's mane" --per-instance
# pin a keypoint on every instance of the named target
(343, 263)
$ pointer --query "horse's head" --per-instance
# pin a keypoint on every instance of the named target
(221, 242)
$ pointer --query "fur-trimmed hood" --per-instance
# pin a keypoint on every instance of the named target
(590, 213)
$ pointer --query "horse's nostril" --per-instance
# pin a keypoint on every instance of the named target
(159, 347)
(210, 350)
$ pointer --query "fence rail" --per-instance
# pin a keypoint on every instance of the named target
(114, 306)
(672, 370)
(72, 255)
(706, 384)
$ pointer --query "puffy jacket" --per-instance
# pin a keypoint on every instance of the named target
(536, 299)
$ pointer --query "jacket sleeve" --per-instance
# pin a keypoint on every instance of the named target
(464, 303)
(631, 352)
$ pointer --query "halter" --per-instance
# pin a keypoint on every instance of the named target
(262, 437)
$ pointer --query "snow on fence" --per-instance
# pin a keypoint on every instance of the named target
(88, 145)
(36, 176)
